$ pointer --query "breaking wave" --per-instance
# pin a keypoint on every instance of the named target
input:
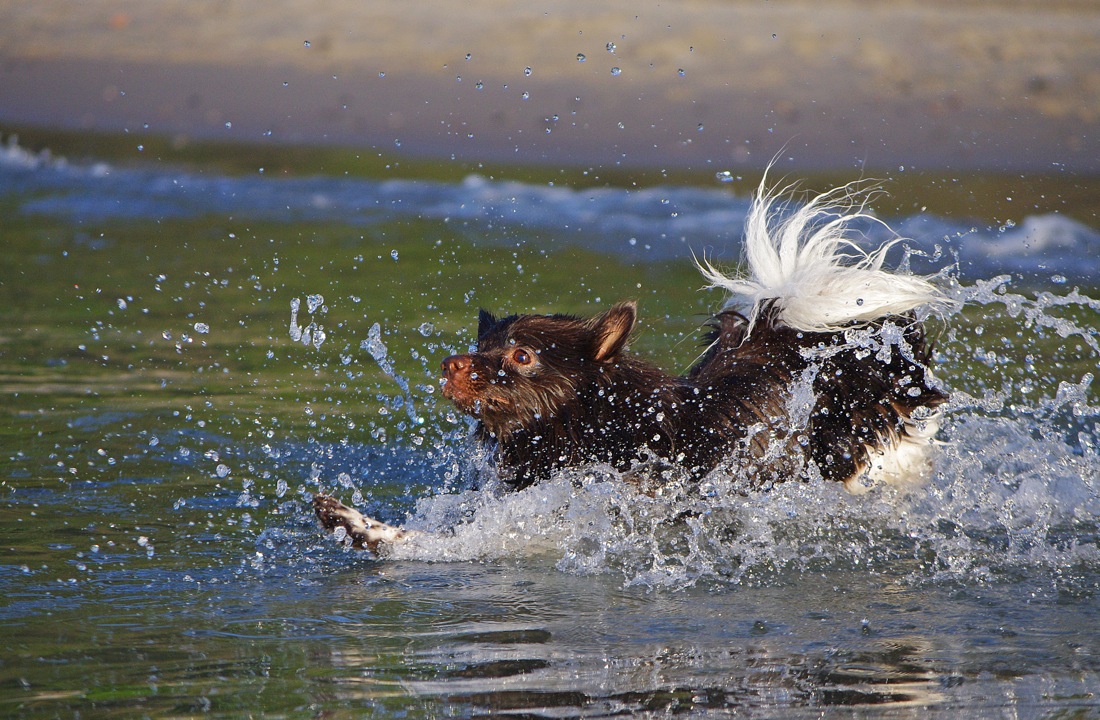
(651, 223)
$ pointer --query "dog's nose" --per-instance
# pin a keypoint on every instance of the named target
(455, 364)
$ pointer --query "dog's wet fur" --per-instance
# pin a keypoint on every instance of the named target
(559, 391)
(781, 391)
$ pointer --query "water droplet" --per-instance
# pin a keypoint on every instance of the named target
(681, 72)
(306, 43)
(1058, 279)
(426, 329)
(859, 301)
(222, 470)
(393, 254)
(526, 95)
(228, 125)
(373, 344)
(121, 304)
(581, 57)
(700, 128)
(479, 85)
(616, 71)
(611, 47)
(313, 302)
(527, 71)
(382, 73)
(724, 176)
(468, 56)
(774, 36)
(202, 328)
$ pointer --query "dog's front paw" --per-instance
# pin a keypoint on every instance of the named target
(364, 532)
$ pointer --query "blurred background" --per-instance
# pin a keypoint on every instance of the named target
(1000, 86)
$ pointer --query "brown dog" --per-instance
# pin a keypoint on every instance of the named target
(815, 368)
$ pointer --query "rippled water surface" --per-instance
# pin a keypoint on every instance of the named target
(167, 419)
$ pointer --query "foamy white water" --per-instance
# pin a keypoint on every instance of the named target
(655, 223)
(1015, 486)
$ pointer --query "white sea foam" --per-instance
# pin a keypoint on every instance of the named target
(1039, 237)
(654, 223)
(14, 157)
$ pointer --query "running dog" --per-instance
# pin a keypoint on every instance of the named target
(816, 366)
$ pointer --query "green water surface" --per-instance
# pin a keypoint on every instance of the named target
(161, 431)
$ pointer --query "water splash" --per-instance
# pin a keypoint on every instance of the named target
(1015, 484)
(1016, 487)
(314, 333)
(378, 350)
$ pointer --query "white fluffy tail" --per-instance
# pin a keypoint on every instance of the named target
(806, 266)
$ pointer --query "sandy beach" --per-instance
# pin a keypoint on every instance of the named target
(702, 84)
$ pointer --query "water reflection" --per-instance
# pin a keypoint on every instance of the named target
(276, 618)
(517, 640)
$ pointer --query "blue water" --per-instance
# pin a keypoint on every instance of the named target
(159, 557)
(655, 223)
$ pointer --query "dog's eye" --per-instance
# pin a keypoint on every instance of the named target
(521, 357)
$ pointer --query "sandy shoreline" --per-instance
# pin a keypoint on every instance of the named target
(959, 85)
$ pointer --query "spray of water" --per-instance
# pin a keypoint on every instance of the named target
(1016, 485)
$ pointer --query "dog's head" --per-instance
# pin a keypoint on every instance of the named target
(533, 367)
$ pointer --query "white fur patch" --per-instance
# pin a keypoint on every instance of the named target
(806, 263)
(906, 463)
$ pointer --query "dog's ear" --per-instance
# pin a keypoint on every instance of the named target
(485, 322)
(612, 329)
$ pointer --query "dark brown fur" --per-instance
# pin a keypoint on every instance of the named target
(559, 391)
